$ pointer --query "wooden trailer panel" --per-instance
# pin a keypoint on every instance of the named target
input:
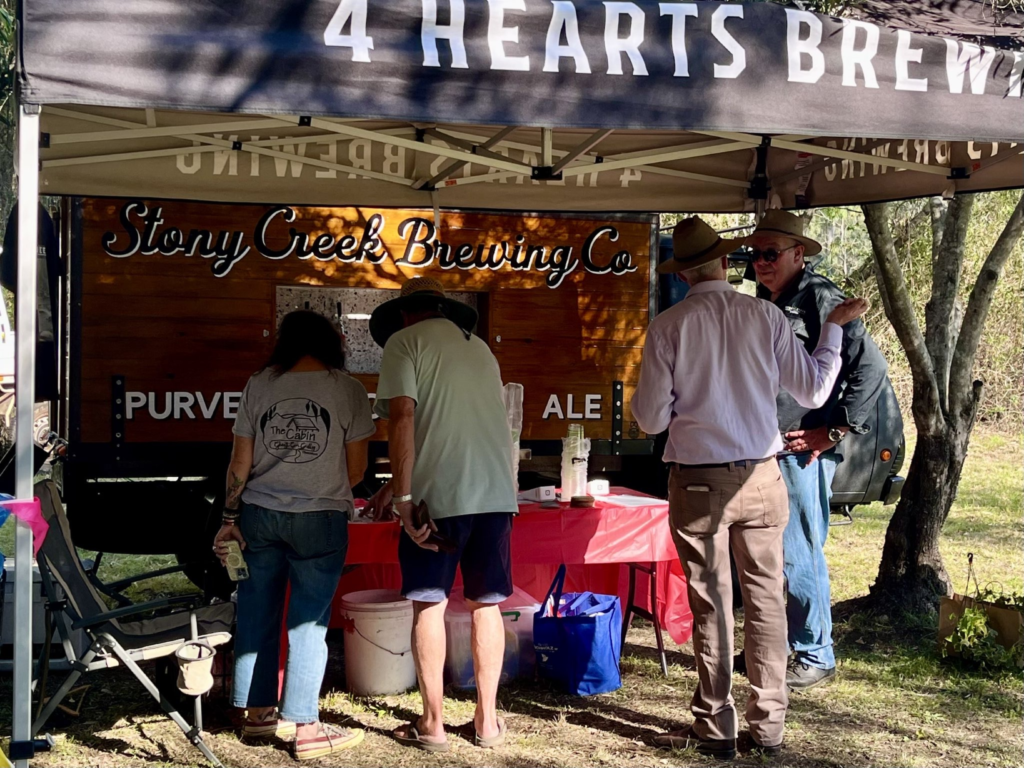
(564, 302)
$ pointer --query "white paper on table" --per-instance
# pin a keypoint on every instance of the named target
(627, 500)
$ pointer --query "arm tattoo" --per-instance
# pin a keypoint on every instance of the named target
(234, 490)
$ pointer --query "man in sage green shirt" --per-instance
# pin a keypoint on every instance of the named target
(450, 446)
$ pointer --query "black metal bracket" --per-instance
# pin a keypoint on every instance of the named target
(617, 426)
(44, 140)
(236, 145)
(26, 750)
(305, 121)
(118, 413)
(959, 173)
(21, 750)
(421, 135)
(759, 185)
(544, 174)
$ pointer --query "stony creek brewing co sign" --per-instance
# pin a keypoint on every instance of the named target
(145, 231)
(181, 300)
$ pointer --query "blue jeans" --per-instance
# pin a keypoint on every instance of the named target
(808, 593)
(306, 550)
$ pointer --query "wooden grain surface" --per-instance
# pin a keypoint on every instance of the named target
(168, 323)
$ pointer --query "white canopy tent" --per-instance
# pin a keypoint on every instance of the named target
(643, 106)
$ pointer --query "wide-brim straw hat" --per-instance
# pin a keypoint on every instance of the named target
(695, 243)
(788, 225)
(387, 318)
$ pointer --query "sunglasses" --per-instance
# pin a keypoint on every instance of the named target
(770, 255)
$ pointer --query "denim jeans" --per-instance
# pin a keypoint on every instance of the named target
(306, 550)
(808, 593)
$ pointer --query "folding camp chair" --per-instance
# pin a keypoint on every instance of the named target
(126, 635)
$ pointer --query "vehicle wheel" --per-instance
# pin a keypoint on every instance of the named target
(41, 425)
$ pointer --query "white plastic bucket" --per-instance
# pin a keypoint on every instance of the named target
(378, 642)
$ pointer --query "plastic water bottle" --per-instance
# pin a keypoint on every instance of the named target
(575, 455)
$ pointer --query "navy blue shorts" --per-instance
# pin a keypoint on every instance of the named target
(484, 552)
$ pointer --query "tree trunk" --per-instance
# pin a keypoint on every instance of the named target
(912, 577)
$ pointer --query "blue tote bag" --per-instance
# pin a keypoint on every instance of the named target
(578, 645)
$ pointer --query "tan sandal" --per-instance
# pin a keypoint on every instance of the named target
(413, 738)
(494, 741)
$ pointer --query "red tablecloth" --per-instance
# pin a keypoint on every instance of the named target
(595, 544)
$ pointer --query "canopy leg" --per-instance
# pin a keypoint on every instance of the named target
(25, 385)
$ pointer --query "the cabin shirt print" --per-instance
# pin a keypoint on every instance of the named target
(296, 430)
(300, 424)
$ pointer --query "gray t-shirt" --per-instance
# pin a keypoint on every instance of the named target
(463, 442)
(300, 423)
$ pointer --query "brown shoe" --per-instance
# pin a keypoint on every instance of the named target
(328, 740)
(750, 745)
(720, 749)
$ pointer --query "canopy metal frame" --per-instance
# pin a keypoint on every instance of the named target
(461, 148)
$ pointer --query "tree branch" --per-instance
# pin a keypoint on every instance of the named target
(900, 312)
(900, 243)
(947, 265)
(883, 292)
(978, 305)
(936, 208)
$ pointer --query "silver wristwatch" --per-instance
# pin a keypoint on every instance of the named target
(401, 499)
(835, 434)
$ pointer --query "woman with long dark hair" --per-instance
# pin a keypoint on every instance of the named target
(300, 445)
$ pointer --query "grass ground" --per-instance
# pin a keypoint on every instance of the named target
(895, 701)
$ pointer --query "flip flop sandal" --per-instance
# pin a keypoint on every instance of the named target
(494, 741)
(414, 739)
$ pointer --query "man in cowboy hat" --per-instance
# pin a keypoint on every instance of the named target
(814, 436)
(450, 447)
(712, 367)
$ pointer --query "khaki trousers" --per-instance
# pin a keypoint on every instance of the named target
(745, 509)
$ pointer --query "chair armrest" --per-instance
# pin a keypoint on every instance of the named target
(117, 586)
(190, 601)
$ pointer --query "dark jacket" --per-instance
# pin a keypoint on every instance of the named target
(807, 302)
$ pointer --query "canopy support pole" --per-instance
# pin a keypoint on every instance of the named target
(595, 164)
(25, 387)
(547, 145)
(759, 185)
(832, 152)
(456, 165)
(824, 162)
(581, 149)
(478, 150)
(416, 146)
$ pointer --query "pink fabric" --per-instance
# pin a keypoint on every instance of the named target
(595, 544)
(30, 513)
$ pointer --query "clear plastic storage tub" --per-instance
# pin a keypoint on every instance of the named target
(516, 614)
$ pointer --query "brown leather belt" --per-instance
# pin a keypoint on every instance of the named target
(742, 464)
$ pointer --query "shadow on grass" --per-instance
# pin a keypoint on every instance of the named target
(650, 653)
(536, 700)
(903, 653)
